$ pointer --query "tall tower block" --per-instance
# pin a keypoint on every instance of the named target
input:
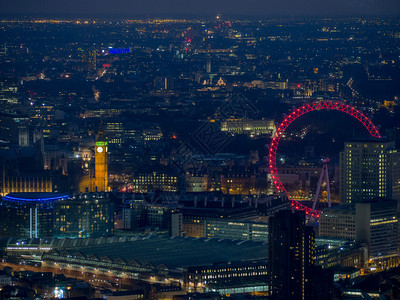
(101, 164)
(369, 169)
(291, 256)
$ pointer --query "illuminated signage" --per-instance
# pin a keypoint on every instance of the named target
(118, 50)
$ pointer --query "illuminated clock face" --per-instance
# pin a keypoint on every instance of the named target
(99, 149)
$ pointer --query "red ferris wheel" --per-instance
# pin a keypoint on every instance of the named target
(306, 108)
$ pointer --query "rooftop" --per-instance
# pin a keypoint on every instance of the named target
(174, 253)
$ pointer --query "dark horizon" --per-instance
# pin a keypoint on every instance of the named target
(123, 8)
(190, 17)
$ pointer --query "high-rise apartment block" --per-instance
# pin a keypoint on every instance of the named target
(291, 251)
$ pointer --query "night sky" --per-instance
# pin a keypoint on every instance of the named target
(236, 7)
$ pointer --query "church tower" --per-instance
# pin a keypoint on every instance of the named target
(101, 164)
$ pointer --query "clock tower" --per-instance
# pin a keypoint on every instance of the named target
(101, 164)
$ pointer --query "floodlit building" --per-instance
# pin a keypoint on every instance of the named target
(26, 183)
(248, 127)
(98, 182)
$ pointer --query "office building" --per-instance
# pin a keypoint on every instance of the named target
(373, 222)
(377, 224)
(137, 214)
(236, 230)
(249, 127)
(238, 182)
(164, 83)
(337, 252)
(114, 130)
(161, 181)
(193, 225)
(88, 215)
(28, 214)
(134, 214)
(208, 64)
(291, 251)
(196, 181)
(338, 222)
(225, 278)
(89, 58)
(5, 279)
(368, 170)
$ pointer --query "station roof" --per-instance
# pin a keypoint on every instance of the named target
(173, 253)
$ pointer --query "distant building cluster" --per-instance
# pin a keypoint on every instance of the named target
(136, 158)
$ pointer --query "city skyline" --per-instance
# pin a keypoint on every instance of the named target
(210, 157)
(286, 8)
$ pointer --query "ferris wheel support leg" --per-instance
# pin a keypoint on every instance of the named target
(318, 189)
(328, 188)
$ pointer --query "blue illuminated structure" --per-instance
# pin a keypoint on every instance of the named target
(35, 197)
(28, 214)
(118, 50)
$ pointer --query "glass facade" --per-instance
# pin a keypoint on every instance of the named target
(28, 215)
(88, 215)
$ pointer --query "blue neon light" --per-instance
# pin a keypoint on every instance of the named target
(36, 199)
(118, 50)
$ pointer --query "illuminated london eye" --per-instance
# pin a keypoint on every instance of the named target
(306, 108)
